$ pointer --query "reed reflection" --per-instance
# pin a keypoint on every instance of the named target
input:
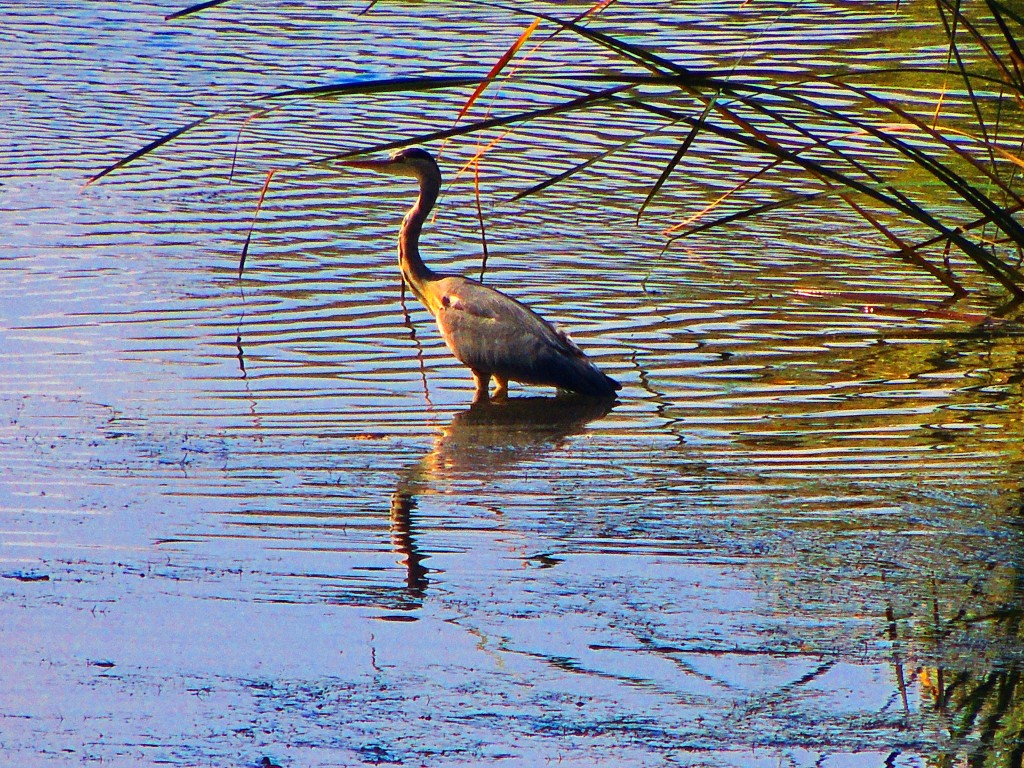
(981, 705)
(972, 632)
(488, 439)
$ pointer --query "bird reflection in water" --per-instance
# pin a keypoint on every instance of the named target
(403, 540)
(487, 440)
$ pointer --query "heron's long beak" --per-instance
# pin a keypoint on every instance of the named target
(369, 165)
(389, 167)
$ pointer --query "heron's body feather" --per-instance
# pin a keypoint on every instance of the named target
(492, 333)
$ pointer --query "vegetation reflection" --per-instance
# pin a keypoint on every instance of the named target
(975, 691)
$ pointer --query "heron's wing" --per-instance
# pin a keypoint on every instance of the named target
(491, 332)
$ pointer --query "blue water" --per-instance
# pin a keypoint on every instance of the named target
(260, 518)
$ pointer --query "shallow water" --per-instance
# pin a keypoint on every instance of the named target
(261, 518)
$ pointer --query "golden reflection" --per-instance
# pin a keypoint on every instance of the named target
(487, 439)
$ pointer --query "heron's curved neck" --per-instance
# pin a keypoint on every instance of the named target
(416, 273)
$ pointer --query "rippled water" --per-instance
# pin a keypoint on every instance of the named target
(261, 518)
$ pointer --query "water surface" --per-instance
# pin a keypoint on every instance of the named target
(261, 518)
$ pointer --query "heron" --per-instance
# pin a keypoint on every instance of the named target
(491, 333)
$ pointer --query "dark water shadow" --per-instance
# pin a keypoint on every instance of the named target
(487, 439)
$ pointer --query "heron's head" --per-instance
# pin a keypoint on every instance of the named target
(412, 161)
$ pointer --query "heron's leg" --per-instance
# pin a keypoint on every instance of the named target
(482, 381)
(501, 391)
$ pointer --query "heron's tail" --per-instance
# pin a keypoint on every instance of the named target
(581, 376)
